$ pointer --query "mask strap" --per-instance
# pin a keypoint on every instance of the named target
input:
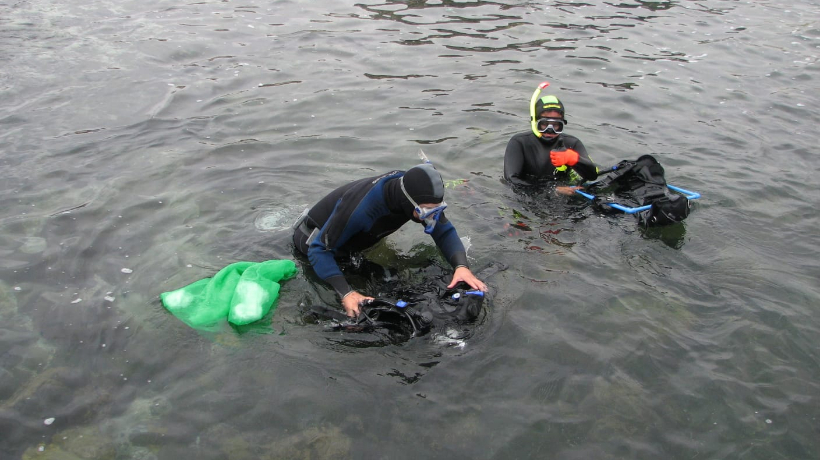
(404, 190)
(533, 100)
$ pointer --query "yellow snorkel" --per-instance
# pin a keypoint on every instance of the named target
(549, 102)
(533, 119)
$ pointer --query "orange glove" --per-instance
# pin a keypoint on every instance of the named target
(567, 157)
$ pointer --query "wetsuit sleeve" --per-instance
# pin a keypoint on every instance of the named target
(585, 167)
(514, 162)
(447, 240)
(322, 250)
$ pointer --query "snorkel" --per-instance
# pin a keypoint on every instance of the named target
(533, 100)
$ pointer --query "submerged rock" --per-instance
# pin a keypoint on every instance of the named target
(83, 443)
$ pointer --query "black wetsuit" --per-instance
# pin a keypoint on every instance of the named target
(356, 216)
(527, 160)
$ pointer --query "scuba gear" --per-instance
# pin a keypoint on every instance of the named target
(644, 181)
(456, 305)
(466, 304)
(550, 125)
(546, 103)
(426, 307)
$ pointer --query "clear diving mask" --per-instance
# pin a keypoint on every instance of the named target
(429, 216)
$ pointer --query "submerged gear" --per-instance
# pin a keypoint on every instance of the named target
(427, 306)
(644, 181)
(413, 318)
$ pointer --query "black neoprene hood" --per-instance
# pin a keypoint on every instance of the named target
(549, 103)
(424, 184)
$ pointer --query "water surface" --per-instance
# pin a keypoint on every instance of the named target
(146, 145)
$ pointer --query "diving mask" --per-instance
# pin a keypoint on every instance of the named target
(429, 216)
(551, 125)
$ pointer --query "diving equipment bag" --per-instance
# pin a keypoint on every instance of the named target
(644, 182)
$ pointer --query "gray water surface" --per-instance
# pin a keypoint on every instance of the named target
(147, 144)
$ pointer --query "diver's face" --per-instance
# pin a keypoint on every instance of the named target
(550, 114)
(426, 208)
(429, 214)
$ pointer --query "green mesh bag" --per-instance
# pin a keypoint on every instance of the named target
(242, 292)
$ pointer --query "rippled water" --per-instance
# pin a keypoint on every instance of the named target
(145, 145)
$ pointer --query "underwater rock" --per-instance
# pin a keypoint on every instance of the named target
(81, 443)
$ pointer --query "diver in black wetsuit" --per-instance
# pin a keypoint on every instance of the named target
(356, 216)
(546, 153)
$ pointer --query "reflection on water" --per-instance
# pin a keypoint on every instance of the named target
(160, 144)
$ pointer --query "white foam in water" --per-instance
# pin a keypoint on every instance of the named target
(48, 421)
(274, 220)
(127, 270)
(109, 298)
(387, 275)
(77, 301)
(450, 338)
(465, 240)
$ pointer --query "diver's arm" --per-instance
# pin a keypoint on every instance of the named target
(448, 242)
(585, 167)
(514, 163)
(322, 251)
(351, 300)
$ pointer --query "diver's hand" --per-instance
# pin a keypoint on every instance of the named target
(464, 274)
(567, 190)
(567, 157)
(352, 301)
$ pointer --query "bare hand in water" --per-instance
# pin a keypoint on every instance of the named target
(567, 190)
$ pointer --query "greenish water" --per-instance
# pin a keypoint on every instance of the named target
(146, 145)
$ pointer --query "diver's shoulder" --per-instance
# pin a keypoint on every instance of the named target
(569, 138)
(523, 136)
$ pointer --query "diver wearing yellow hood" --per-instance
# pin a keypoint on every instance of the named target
(546, 153)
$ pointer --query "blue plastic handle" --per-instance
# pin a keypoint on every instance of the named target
(688, 194)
